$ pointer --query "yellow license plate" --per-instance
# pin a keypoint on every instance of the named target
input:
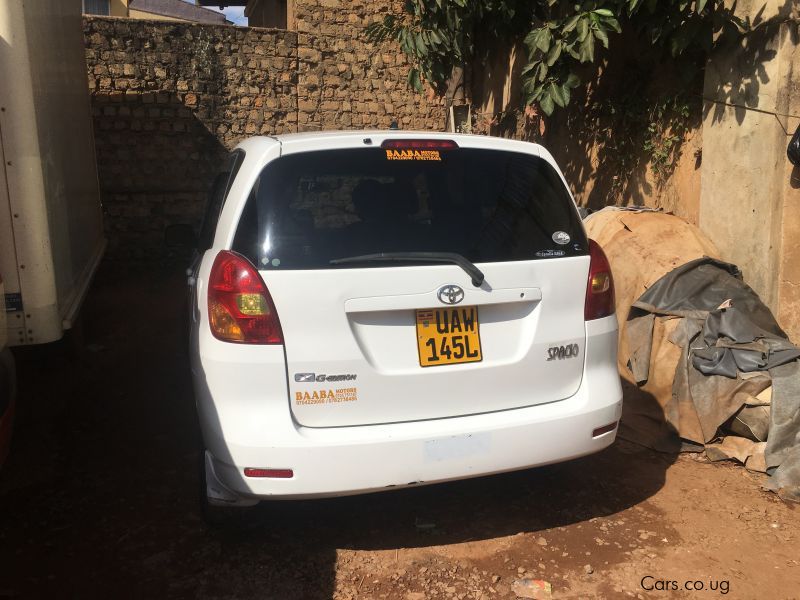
(448, 335)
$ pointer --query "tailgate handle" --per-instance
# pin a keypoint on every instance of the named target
(429, 300)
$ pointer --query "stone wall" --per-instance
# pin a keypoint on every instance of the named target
(345, 82)
(169, 100)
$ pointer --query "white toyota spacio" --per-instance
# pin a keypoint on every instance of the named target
(380, 309)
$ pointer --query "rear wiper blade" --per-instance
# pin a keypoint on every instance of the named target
(441, 257)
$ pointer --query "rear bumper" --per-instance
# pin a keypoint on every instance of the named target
(352, 460)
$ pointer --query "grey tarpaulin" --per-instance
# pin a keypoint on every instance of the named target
(783, 444)
(732, 349)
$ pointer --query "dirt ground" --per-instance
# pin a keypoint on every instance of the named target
(99, 499)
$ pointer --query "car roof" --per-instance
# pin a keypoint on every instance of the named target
(318, 140)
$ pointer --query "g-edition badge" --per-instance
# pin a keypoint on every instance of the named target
(561, 237)
(319, 377)
(450, 294)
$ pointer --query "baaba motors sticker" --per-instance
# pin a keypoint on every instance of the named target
(562, 238)
(326, 395)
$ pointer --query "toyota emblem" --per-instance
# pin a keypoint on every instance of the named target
(450, 294)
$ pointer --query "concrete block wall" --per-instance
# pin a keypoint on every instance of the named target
(750, 193)
(584, 137)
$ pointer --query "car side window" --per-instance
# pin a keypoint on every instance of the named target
(219, 192)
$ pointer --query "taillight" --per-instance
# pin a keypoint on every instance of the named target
(600, 288)
(240, 308)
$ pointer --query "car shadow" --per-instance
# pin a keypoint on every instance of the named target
(99, 496)
(528, 501)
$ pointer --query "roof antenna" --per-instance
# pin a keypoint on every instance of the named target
(394, 125)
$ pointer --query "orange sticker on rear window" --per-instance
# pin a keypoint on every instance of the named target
(413, 155)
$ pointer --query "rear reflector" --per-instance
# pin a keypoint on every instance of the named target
(240, 308)
(419, 145)
(273, 473)
(600, 287)
(604, 429)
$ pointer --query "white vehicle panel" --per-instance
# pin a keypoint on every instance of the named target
(51, 230)
(379, 347)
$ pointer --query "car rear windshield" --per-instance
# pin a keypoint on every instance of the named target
(310, 208)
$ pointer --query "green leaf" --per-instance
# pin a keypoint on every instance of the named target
(612, 23)
(587, 49)
(532, 89)
(565, 93)
(554, 53)
(532, 39)
(528, 68)
(572, 81)
(602, 36)
(570, 48)
(583, 29)
(414, 80)
(402, 38)
(546, 103)
(419, 42)
(570, 23)
(542, 71)
(438, 35)
(557, 95)
(543, 41)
